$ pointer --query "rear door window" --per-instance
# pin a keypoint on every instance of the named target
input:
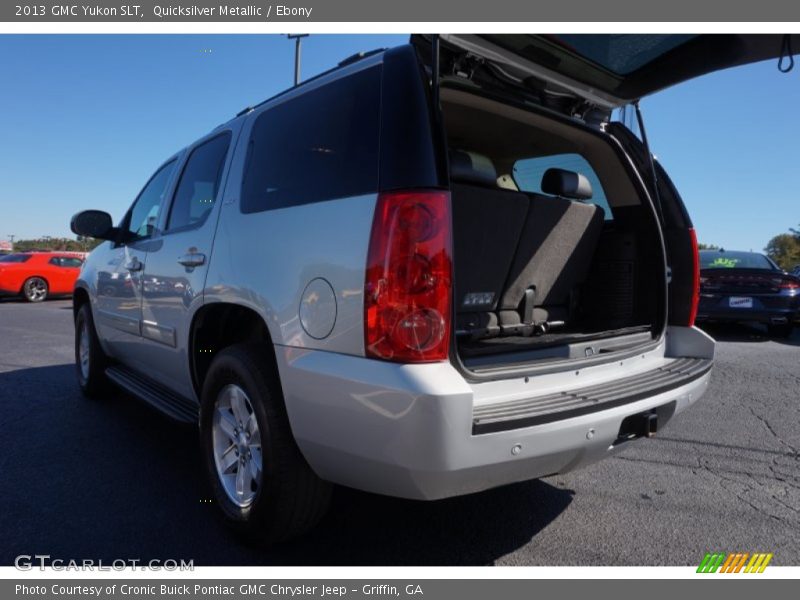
(528, 173)
(319, 146)
(199, 184)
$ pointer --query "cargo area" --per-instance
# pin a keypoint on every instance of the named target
(557, 251)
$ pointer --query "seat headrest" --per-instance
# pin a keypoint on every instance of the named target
(567, 184)
(469, 167)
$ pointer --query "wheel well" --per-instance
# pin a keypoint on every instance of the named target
(217, 326)
(79, 297)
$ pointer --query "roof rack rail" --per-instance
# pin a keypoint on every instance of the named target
(360, 56)
(347, 61)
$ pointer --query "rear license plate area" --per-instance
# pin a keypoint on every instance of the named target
(740, 302)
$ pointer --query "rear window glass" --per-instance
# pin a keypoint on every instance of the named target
(199, 183)
(528, 173)
(623, 53)
(15, 258)
(319, 146)
(71, 263)
(734, 260)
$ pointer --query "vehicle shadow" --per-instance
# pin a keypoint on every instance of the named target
(747, 332)
(110, 478)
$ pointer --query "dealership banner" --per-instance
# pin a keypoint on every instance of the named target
(451, 11)
(362, 589)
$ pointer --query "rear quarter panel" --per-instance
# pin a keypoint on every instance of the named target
(266, 260)
(11, 278)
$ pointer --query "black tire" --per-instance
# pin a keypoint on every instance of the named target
(780, 331)
(35, 289)
(290, 499)
(91, 380)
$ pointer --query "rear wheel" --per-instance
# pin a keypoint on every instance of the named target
(35, 289)
(90, 360)
(780, 331)
(265, 488)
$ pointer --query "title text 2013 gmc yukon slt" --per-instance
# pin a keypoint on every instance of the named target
(430, 271)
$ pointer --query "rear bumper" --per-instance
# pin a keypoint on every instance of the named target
(764, 316)
(778, 308)
(409, 430)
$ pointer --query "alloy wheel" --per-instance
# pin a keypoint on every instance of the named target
(237, 445)
(83, 350)
(35, 289)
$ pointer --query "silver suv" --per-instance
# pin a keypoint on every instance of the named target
(430, 271)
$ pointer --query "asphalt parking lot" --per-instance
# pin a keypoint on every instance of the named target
(113, 479)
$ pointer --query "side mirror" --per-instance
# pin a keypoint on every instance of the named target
(93, 223)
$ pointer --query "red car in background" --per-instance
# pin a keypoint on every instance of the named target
(37, 275)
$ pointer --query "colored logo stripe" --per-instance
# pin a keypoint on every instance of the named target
(740, 564)
(711, 562)
(758, 563)
(727, 565)
(734, 562)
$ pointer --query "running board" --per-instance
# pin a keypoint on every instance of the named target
(169, 403)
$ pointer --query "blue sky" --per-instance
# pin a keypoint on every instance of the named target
(85, 120)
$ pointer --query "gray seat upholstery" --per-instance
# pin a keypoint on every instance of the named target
(487, 224)
(554, 253)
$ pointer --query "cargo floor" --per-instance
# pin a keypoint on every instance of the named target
(502, 345)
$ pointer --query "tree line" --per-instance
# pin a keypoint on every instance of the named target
(51, 244)
(784, 249)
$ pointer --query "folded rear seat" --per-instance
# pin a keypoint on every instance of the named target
(553, 257)
(487, 224)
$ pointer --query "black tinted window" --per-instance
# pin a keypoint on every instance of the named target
(199, 184)
(71, 263)
(144, 213)
(319, 146)
(623, 53)
(15, 258)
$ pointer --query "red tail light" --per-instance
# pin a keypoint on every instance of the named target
(695, 300)
(788, 284)
(407, 292)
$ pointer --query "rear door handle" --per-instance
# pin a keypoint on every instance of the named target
(134, 264)
(194, 259)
